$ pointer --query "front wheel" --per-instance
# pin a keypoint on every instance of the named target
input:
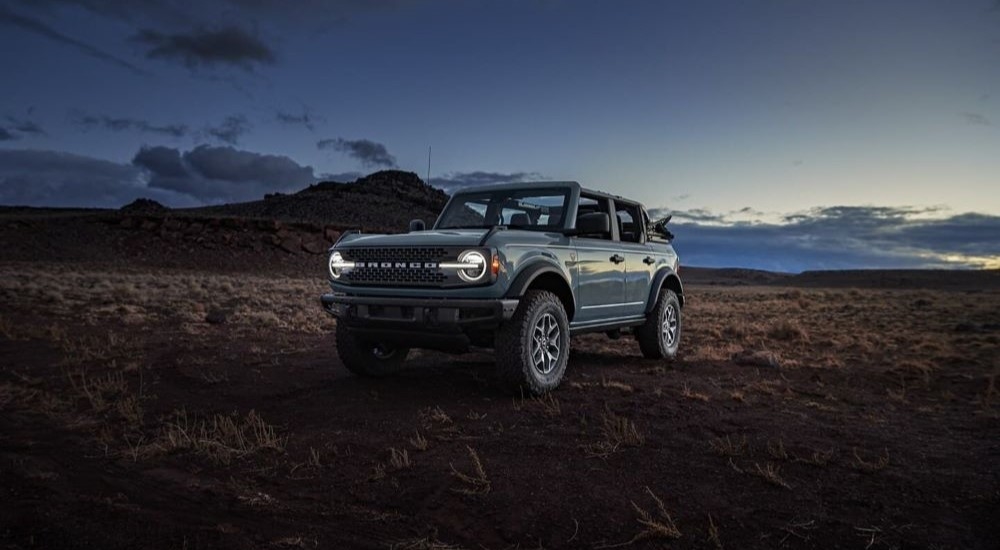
(367, 358)
(532, 348)
(660, 336)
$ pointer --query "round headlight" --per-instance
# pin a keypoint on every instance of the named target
(336, 265)
(476, 269)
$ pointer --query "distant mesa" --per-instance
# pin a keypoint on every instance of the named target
(145, 207)
(382, 201)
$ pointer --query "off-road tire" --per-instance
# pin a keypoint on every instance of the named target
(360, 357)
(652, 337)
(516, 366)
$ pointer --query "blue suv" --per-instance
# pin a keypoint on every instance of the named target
(516, 267)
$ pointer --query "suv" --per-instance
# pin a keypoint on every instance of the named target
(515, 267)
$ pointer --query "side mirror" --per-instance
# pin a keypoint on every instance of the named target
(417, 225)
(594, 223)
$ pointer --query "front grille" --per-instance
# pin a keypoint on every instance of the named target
(398, 254)
(391, 276)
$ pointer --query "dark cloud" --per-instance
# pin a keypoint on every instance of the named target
(204, 175)
(163, 161)
(16, 128)
(51, 178)
(305, 119)
(231, 46)
(370, 153)
(453, 181)
(40, 28)
(25, 126)
(692, 215)
(230, 130)
(842, 237)
(117, 124)
(221, 174)
(976, 119)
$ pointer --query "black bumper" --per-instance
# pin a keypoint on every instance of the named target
(435, 323)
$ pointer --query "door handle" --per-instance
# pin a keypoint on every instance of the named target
(618, 258)
(648, 260)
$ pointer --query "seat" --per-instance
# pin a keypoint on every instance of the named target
(520, 219)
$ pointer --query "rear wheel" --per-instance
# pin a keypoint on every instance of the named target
(660, 336)
(532, 348)
(368, 358)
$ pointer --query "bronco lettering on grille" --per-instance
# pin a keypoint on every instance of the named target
(398, 265)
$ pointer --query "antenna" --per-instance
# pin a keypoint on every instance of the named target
(428, 180)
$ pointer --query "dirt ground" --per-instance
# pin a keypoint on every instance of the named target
(798, 418)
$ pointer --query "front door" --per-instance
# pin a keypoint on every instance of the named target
(600, 269)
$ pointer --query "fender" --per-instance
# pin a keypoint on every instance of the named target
(528, 274)
(664, 277)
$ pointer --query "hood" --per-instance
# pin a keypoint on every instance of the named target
(443, 237)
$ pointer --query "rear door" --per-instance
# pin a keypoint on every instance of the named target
(600, 275)
(640, 264)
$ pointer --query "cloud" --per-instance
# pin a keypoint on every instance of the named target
(17, 128)
(230, 130)
(453, 181)
(305, 119)
(841, 237)
(116, 124)
(213, 175)
(976, 119)
(204, 175)
(52, 178)
(231, 45)
(40, 28)
(370, 153)
(25, 126)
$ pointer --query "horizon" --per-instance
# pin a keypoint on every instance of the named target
(781, 136)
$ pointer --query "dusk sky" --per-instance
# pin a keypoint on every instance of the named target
(782, 134)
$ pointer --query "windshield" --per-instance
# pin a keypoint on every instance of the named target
(539, 209)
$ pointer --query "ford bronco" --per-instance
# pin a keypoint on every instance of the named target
(515, 267)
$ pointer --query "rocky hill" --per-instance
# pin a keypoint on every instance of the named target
(383, 201)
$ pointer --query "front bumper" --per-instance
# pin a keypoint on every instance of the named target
(421, 315)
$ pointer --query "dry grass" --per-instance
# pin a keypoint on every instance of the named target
(769, 473)
(419, 442)
(713, 534)
(399, 459)
(871, 466)
(817, 458)
(97, 297)
(687, 393)
(424, 543)
(730, 447)
(476, 482)
(616, 432)
(605, 384)
(434, 415)
(788, 331)
(658, 525)
(100, 391)
(777, 450)
(548, 404)
(220, 437)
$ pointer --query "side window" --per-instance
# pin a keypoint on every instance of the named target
(589, 205)
(630, 224)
